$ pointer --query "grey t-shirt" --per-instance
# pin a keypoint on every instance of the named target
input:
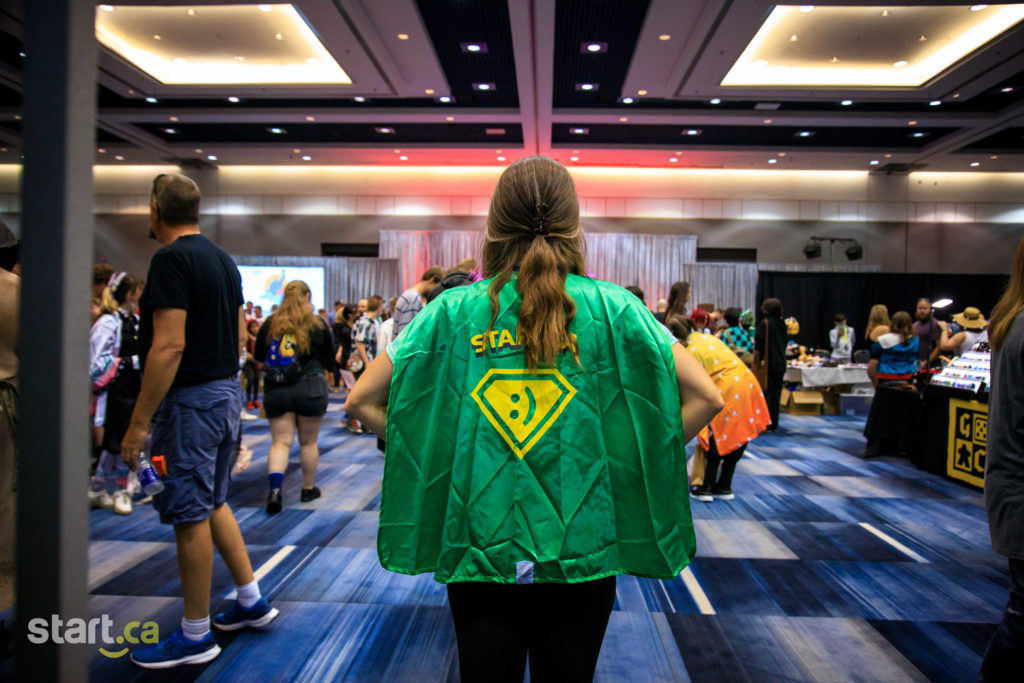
(1004, 465)
(406, 308)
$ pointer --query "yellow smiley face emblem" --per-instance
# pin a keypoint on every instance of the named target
(522, 406)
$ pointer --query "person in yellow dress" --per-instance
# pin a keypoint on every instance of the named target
(744, 417)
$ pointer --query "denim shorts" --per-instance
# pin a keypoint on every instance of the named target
(195, 429)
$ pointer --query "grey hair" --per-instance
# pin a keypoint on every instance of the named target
(176, 199)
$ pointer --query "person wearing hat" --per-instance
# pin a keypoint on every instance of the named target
(972, 324)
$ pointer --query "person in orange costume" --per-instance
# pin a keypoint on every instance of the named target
(744, 417)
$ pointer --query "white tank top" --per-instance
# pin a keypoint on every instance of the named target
(970, 339)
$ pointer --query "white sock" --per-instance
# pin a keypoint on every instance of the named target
(195, 629)
(249, 594)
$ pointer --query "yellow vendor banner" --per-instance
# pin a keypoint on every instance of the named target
(968, 434)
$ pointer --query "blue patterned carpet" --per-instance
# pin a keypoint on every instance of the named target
(826, 567)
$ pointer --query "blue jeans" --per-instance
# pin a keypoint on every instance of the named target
(195, 429)
(1002, 660)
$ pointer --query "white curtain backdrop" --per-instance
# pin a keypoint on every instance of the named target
(417, 250)
(648, 261)
(721, 284)
(346, 278)
(822, 267)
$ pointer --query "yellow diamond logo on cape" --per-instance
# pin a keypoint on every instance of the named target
(522, 405)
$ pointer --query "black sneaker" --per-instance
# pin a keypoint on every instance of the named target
(309, 494)
(694, 488)
(274, 501)
(724, 494)
(703, 495)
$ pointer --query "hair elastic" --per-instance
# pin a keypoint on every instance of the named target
(541, 221)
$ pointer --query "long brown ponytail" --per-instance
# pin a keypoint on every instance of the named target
(1010, 305)
(534, 223)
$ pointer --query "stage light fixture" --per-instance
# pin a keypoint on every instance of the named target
(855, 252)
(812, 249)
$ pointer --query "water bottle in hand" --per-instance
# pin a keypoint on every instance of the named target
(148, 476)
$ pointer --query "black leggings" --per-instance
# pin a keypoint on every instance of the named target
(561, 626)
(252, 380)
(712, 479)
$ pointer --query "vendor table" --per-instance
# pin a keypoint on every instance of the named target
(825, 376)
(956, 433)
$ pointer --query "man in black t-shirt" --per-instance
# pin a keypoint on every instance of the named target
(191, 334)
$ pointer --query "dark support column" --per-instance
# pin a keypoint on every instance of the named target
(57, 245)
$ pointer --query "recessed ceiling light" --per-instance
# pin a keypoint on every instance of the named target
(239, 58)
(767, 120)
(119, 157)
(900, 64)
(296, 151)
(873, 162)
(846, 103)
(212, 157)
(975, 164)
(22, 54)
(191, 12)
(152, 100)
(911, 123)
(1006, 89)
(574, 158)
(173, 118)
(403, 36)
(180, 60)
(264, 8)
(311, 118)
(444, 99)
(587, 86)
(692, 131)
(579, 131)
(170, 131)
(715, 100)
(483, 86)
(429, 91)
(403, 158)
(312, 61)
(665, 36)
(593, 48)
(922, 38)
(307, 158)
(627, 100)
(100, 150)
(673, 160)
(494, 131)
(934, 103)
(385, 130)
(978, 8)
(793, 38)
(918, 135)
(781, 154)
(994, 157)
(806, 8)
(234, 100)
(17, 117)
(449, 118)
(834, 60)
(157, 36)
(641, 92)
(501, 158)
(197, 150)
(623, 119)
(888, 156)
(107, 8)
(359, 99)
(278, 36)
(805, 134)
(773, 161)
(475, 48)
(885, 13)
(276, 131)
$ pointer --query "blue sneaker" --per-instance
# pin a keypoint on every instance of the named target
(236, 616)
(175, 651)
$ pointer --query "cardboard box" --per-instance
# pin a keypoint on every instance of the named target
(802, 402)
